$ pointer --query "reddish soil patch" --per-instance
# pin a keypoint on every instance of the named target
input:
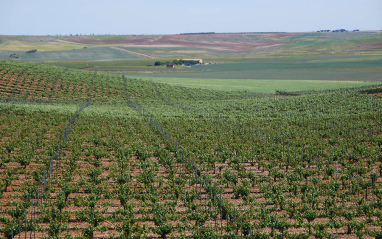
(215, 41)
(379, 94)
(235, 42)
(370, 46)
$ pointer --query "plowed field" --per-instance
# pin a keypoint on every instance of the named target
(236, 42)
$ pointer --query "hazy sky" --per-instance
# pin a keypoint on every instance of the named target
(49, 17)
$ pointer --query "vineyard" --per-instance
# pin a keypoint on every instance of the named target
(94, 155)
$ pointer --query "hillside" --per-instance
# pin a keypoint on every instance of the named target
(93, 155)
(256, 62)
(213, 47)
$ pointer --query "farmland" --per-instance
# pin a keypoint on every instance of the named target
(259, 86)
(257, 62)
(93, 155)
(279, 137)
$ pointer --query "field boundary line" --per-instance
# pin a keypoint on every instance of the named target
(131, 52)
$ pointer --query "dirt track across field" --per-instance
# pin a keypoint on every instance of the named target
(132, 52)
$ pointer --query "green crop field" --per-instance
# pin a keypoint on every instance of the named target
(92, 155)
(269, 75)
(75, 54)
(258, 85)
(288, 69)
(18, 45)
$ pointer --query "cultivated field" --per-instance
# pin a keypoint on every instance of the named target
(265, 59)
(279, 137)
(92, 155)
(259, 86)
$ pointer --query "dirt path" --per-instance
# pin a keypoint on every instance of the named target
(132, 52)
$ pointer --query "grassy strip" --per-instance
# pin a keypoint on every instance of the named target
(259, 86)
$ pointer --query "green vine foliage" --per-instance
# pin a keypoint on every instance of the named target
(145, 159)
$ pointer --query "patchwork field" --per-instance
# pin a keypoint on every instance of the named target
(261, 57)
(208, 46)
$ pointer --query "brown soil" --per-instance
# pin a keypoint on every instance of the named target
(379, 94)
(218, 42)
(370, 46)
(180, 207)
(235, 42)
